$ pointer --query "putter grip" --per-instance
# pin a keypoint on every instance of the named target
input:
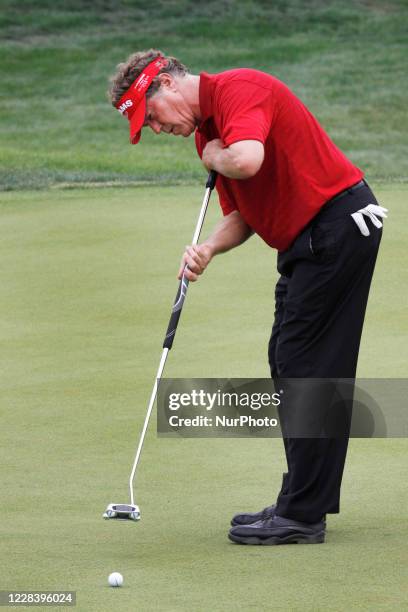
(212, 177)
(183, 286)
(175, 313)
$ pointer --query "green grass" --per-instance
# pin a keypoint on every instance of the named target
(346, 60)
(88, 278)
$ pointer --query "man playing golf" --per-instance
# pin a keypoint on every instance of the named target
(280, 176)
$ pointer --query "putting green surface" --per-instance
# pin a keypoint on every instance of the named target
(88, 279)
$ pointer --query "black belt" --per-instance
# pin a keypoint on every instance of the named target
(347, 191)
(329, 212)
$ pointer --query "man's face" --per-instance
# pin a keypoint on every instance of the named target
(167, 111)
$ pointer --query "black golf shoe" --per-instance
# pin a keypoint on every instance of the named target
(278, 530)
(247, 518)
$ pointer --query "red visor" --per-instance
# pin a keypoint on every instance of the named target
(133, 102)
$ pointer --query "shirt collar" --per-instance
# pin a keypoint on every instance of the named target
(205, 97)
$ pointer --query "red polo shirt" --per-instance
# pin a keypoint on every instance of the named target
(302, 168)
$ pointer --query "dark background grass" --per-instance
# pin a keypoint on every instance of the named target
(346, 60)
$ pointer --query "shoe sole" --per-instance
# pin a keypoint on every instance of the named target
(317, 538)
(236, 524)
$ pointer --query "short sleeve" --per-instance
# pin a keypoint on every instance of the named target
(245, 111)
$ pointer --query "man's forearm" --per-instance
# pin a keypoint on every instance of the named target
(229, 164)
(241, 160)
(229, 233)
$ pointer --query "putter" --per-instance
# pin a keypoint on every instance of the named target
(131, 511)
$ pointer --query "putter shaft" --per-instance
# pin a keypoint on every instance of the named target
(146, 422)
(171, 330)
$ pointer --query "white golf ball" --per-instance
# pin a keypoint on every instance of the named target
(115, 579)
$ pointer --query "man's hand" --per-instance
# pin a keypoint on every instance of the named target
(211, 153)
(197, 259)
(228, 234)
(241, 160)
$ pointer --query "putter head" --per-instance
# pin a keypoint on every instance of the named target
(122, 512)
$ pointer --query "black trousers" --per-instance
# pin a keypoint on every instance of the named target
(321, 300)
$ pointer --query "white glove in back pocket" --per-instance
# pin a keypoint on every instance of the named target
(372, 211)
